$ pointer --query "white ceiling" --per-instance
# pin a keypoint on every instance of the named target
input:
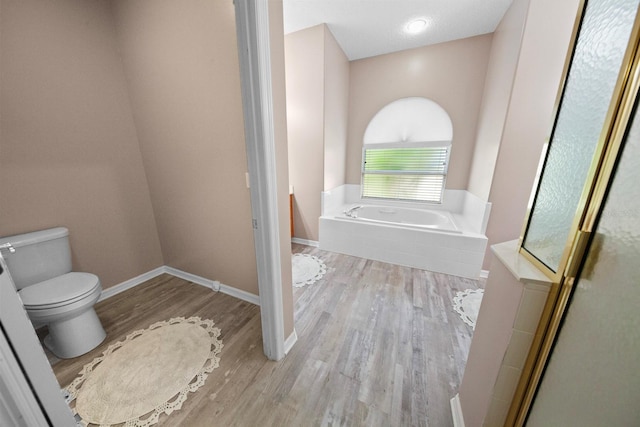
(365, 28)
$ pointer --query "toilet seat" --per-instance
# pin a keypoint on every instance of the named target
(59, 291)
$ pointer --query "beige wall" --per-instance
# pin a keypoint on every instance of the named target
(68, 149)
(304, 61)
(515, 296)
(503, 293)
(530, 114)
(336, 112)
(452, 74)
(317, 111)
(505, 49)
(276, 30)
(181, 63)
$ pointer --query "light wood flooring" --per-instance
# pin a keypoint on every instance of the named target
(378, 345)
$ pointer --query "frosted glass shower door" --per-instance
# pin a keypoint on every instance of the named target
(593, 375)
(580, 127)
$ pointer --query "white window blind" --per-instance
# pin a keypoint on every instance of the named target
(415, 172)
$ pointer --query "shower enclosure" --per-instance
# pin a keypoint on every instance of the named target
(569, 224)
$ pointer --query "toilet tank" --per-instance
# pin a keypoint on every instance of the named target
(38, 256)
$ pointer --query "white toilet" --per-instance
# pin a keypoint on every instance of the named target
(40, 265)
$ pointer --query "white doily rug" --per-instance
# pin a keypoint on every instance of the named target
(307, 269)
(149, 373)
(467, 304)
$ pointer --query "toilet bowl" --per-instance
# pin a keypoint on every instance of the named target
(40, 266)
(65, 304)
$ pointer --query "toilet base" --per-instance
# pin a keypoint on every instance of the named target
(74, 337)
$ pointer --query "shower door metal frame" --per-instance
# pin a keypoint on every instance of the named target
(591, 203)
(577, 236)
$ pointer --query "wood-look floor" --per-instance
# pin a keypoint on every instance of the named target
(378, 345)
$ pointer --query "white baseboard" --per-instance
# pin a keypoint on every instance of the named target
(198, 280)
(131, 283)
(484, 274)
(215, 285)
(305, 242)
(456, 412)
(289, 342)
(240, 294)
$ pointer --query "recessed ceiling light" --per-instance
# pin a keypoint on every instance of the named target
(416, 26)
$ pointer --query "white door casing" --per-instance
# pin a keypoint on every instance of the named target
(33, 391)
(252, 26)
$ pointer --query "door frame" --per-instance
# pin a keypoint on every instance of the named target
(30, 383)
(252, 27)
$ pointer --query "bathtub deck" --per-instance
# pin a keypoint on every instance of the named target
(378, 344)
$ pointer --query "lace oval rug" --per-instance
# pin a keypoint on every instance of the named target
(467, 304)
(149, 373)
(307, 269)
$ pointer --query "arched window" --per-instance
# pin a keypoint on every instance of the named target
(406, 149)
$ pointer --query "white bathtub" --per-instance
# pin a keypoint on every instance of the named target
(447, 238)
(405, 217)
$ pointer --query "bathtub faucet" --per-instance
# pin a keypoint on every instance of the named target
(351, 213)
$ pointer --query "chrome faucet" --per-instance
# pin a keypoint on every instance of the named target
(8, 246)
(351, 213)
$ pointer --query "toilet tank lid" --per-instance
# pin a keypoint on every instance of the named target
(19, 240)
